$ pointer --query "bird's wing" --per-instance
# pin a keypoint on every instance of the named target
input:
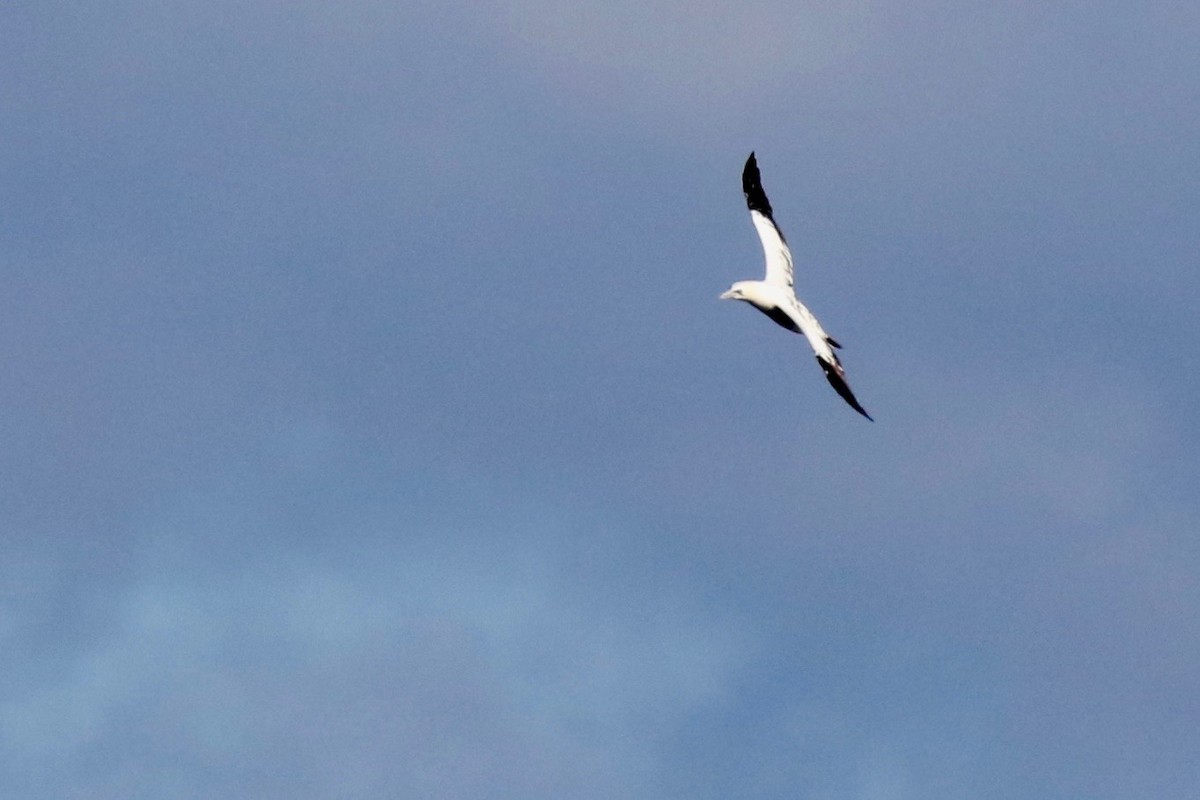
(775, 248)
(837, 379)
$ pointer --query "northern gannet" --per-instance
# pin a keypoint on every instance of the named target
(775, 296)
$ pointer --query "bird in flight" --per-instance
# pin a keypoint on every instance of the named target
(775, 296)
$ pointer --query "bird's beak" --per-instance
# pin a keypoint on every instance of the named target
(727, 295)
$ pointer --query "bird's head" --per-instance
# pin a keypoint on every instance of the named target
(735, 292)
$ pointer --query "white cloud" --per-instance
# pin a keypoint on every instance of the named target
(461, 663)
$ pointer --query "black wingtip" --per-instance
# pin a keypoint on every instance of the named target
(756, 198)
(841, 387)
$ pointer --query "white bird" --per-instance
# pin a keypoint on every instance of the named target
(775, 296)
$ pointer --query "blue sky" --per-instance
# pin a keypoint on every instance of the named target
(371, 426)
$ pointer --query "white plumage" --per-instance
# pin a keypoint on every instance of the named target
(775, 295)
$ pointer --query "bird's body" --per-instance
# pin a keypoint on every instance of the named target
(775, 295)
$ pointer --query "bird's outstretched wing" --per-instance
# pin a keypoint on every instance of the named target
(837, 379)
(775, 248)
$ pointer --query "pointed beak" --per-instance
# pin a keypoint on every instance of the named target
(726, 295)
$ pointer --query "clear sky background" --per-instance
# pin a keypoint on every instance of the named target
(370, 426)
